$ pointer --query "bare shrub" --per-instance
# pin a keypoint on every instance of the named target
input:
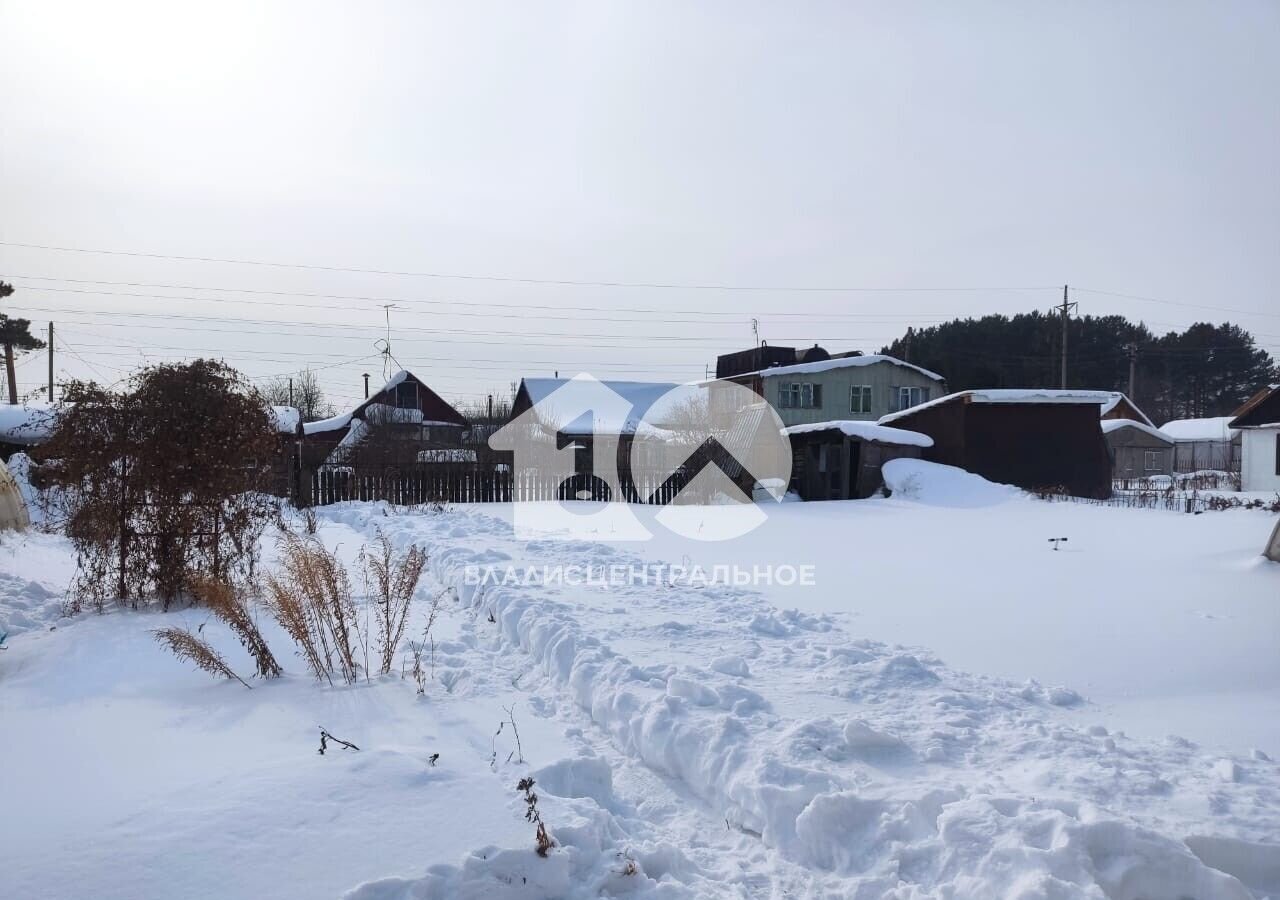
(161, 479)
(224, 602)
(311, 599)
(310, 521)
(394, 581)
(187, 646)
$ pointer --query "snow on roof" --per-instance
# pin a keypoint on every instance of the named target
(845, 362)
(1110, 425)
(1114, 399)
(342, 451)
(590, 408)
(331, 424)
(334, 423)
(1008, 395)
(286, 418)
(27, 423)
(1212, 429)
(867, 431)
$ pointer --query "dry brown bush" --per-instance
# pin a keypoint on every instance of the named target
(311, 599)
(187, 646)
(228, 605)
(161, 478)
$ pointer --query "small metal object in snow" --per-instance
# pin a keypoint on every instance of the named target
(1056, 542)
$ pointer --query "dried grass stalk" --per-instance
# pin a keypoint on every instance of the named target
(312, 600)
(395, 581)
(186, 646)
(224, 602)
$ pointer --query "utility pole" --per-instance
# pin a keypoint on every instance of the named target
(291, 390)
(50, 362)
(1065, 309)
(1132, 350)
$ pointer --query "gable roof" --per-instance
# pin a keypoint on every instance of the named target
(1110, 425)
(572, 398)
(1260, 410)
(1028, 396)
(433, 407)
(845, 362)
(1117, 400)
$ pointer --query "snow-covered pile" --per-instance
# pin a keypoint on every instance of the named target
(939, 485)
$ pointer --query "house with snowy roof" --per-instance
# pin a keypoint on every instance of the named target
(1257, 421)
(398, 426)
(1138, 449)
(1033, 438)
(597, 420)
(1204, 444)
(812, 386)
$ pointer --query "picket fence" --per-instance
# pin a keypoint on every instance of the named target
(463, 484)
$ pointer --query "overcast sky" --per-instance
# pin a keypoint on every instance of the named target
(1123, 147)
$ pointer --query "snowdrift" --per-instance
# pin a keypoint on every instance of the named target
(937, 485)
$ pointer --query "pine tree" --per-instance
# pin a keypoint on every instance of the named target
(15, 335)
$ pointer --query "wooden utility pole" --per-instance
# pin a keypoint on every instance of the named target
(50, 362)
(1065, 309)
(1132, 350)
(8, 368)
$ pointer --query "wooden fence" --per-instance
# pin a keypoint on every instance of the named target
(470, 484)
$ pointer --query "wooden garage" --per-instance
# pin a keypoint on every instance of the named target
(841, 460)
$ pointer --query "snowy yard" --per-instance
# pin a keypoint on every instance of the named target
(952, 709)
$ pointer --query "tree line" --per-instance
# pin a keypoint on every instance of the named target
(1206, 370)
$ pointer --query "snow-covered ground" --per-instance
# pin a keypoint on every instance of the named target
(695, 739)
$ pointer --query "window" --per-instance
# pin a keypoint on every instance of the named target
(911, 396)
(1154, 460)
(800, 395)
(406, 395)
(860, 398)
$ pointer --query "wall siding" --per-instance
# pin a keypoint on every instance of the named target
(883, 377)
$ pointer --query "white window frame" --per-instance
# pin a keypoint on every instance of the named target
(1152, 461)
(905, 392)
(860, 398)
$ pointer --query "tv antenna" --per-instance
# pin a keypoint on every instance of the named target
(755, 330)
(385, 349)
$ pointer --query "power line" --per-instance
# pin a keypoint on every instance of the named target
(451, 304)
(1244, 312)
(346, 326)
(691, 286)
